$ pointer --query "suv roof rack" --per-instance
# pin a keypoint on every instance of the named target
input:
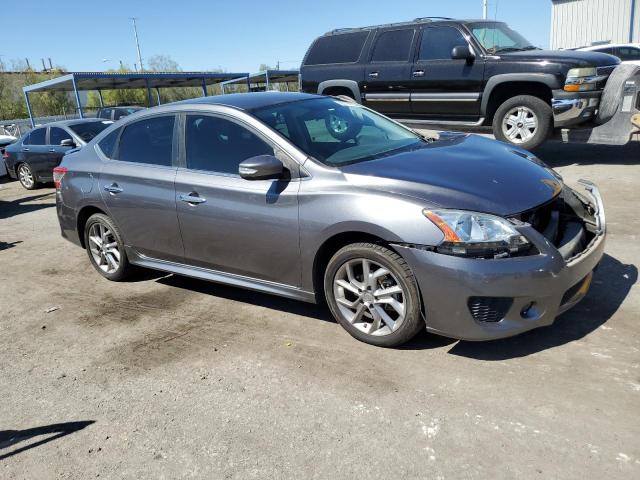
(388, 25)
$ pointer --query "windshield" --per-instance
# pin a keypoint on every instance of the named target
(86, 131)
(498, 37)
(336, 132)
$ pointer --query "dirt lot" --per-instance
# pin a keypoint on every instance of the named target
(167, 377)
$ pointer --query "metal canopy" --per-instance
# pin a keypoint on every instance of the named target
(267, 78)
(79, 81)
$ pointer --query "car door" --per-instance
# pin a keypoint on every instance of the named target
(34, 151)
(137, 186)
(229, 224)
(441, 85)
(56, 151)
(387, 74)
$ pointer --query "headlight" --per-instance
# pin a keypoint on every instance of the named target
(581, 79)
(471, 234)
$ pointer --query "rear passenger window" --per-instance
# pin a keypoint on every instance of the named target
(107, 144)
(394, 45)
(628, 53)
(36, 137)
(340, 48)
(438, 42)
(148, 141)
(57, 135)
(105, 113)
(218, 145)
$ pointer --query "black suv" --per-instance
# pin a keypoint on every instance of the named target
(464, 72)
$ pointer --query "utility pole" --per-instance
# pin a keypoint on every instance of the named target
(485, 5)
(135, 33)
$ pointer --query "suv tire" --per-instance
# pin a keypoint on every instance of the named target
(525, 121)
(382, 309)
(105, 248)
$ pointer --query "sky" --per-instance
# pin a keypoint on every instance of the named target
(231, 35)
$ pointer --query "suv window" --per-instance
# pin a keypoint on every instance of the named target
(56, 135)
(36, 137)
(105, 113)
(148, 141)
(341, 48)
(628, 53)
(393, 45)
(218, 145)
(437, 43)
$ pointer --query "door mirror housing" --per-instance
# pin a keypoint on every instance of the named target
(67, 142)
(462, 52)
(261, 167)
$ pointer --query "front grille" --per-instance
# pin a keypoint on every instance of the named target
(489, 309)
(607, 70)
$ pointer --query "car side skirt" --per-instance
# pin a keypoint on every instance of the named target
(273, 288)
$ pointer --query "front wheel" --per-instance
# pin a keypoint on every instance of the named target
(373, 294)
(524, 121)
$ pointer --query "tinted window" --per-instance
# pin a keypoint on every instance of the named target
(608, 50)
(218, 145)
(148, 141)
(56, 135)
(87, 131)
(437, 43)
(107, 144)
(36, 137)
(628, 53)
(341, 48)
(392, 45)
(104, 113)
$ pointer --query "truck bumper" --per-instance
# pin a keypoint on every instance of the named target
(571, 109)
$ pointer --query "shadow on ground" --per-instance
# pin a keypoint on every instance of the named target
(557, 154)
(612, 282)
(24, 205)
(9, 438)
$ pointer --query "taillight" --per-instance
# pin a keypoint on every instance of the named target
(5, 154)
(58, 173)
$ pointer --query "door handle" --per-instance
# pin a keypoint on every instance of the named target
(192, 198)
(52, 150)
(24, 149)
(113, 188)
(418, 73)
(374, 74)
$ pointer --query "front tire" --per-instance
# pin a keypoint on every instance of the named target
(26, 177)
(525, 121)
(105, 248)
(373, 294)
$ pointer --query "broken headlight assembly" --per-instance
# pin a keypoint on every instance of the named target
(477, 235)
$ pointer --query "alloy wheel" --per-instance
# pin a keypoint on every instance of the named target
(26, 176)
(104, 248)
(520, 125)
(369, 297)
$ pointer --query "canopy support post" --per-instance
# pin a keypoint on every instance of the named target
(26, 97)
(204, 88)
(75, 93)
(100, 98)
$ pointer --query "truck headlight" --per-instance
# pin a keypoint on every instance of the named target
(472, 234)
(581, 80)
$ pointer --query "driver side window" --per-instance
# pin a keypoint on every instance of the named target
(215, 144)
(438, 42)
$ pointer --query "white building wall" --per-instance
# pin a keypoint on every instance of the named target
(578, 23)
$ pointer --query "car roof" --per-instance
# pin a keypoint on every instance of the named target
(410, 23)
(249, 101)
(609, 45)
(68, 123)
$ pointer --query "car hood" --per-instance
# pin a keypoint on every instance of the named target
(461, 171)
(579, 59)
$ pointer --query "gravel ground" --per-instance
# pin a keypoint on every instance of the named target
(168, 377)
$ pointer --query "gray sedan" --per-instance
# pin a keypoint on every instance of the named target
(320, 199)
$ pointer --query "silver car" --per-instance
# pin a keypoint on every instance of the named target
(320, 199)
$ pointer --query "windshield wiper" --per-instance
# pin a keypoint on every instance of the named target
(516, 49)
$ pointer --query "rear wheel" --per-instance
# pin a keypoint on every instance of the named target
(525, 121)
(106, 248)
(26, 177)
(373, 294)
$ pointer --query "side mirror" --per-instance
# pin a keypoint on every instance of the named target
(67, 142)
(261, 167)
(462, 52)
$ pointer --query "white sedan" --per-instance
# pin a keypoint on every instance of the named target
(626, 52)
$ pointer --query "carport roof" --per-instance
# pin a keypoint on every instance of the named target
(112, 81)
(272, 76)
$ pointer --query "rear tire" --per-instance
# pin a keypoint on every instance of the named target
(380, 307)
(524, 121)
(26, 177)
(105, 248)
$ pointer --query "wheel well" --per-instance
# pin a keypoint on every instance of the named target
(83, 216)
(328, 250)
(507, 90)
(335, 91)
